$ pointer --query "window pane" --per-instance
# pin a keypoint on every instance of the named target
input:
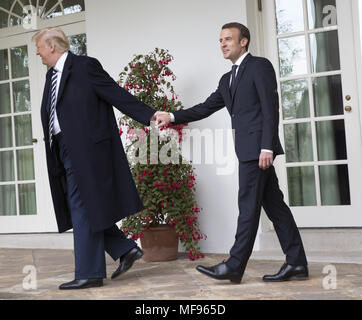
(298, 142)
(73, 6)
(322, 13)
(41, 8)
(327, 93)
(292, 56)
(4, 65)
(334, 185)
(27, 199)
(3, 19)
(295, 99)
(21, 90)
(5, 106)
(324, 51)
(78, 44)
(289, 16)
(331, 140)
(7, 200)
(23, 130)
(55, 12)
(25, 164)
(14, 21)
(6, 4)
(7, 166)
(301, 186)
(18, 9)
(6, 136)
(19, 62)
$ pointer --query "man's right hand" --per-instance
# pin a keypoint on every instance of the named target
(162, 118)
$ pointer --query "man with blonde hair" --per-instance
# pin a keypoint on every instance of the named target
(90, 180)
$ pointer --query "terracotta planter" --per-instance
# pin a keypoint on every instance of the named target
(160, 244)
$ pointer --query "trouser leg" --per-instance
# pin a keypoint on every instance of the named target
(251, 185)
(284, 224)
(116, 243)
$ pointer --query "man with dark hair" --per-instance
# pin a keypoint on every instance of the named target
(250, 94)
(243, 31)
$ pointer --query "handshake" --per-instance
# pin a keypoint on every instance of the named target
(162, 118)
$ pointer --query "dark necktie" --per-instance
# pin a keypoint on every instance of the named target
(233, 76)
(52, 105)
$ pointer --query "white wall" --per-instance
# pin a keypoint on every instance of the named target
(189, 29)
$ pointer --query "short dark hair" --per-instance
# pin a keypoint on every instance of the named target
(244, 31)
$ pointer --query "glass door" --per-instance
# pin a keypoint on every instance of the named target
(25, 199)
(321, 170)
(20, 189)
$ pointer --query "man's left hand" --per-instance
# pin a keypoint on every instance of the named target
(265, 160)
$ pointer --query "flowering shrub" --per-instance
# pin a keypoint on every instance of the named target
(167, 190)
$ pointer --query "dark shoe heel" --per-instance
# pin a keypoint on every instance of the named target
(299, 277)
(139, 255)
(236, 280)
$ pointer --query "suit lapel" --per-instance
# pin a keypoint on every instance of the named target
(226, 89)
(67, 70)
(44, 104)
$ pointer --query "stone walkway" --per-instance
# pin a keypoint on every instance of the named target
(169, 280)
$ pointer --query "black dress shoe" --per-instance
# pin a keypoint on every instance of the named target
(288, 272)
(82, 284)
(221, 272)
(127, 260)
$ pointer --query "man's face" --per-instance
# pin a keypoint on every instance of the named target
(46, 53)
(230, 45)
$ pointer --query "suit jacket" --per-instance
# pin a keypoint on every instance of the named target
(85, 114)
(253, 107)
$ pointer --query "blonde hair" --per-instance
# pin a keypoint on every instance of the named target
(53, 36)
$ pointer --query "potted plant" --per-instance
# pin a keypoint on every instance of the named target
(167, 190)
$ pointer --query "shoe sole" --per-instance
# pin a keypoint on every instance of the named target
(85, 287)
(293, 278)
(139, 255)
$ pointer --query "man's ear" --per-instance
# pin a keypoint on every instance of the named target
(52, 48)
(244, 42)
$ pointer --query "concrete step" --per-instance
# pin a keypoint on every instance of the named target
(37, 241)
(319, 240)
(329, 257)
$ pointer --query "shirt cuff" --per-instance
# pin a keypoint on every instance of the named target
(172, 117)
(266, 150)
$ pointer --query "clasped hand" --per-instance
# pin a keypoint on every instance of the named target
(162, 118)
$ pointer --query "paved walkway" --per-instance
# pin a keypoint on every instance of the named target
(169, 280)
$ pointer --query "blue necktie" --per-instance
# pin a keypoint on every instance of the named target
(52, 105)
(233, 76)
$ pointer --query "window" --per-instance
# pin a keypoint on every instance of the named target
(19, 12)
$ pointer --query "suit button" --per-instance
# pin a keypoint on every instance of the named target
(233, 115)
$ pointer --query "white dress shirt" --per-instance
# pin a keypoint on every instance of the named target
(59, 66)
(238, 63)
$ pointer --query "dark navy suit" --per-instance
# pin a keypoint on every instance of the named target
(254, 109)
(90, 180)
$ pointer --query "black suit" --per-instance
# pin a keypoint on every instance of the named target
(254, 109)
(90, 180)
